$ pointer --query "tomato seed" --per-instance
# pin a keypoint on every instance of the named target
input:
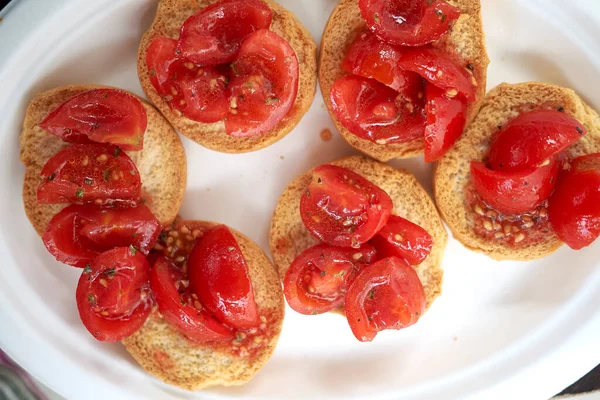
(519, 238)
(487, 224)
(102, 158)
(479, 210)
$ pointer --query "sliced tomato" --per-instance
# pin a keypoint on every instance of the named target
(113, 294)
(408, 22)
(317, 280)
(446, 118)
(198, 93)
(180, 307)
(219, 276)
(370, 57)
(375, 112)
(404, 239)
(387, 295)
(533, 137)
(100, 115)
(341, 208)
(264, 84)
(573, 209)
(515, 192)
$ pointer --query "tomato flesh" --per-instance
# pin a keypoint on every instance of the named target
(404, 239)
(219, 276)
(573, 208)
(533, 137)
(341, 208)
(100, 115)
(83, 173)
(113, 294)
(408, 22)
(213, 35)
(317, 280)
(264, 84)
(515, 192)
(375, 112)
(386, 295)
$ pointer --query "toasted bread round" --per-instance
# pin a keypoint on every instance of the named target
(161, 163)
(452, 173)
(466, 40)
(289, 237)
(170, 15)
(167, 354)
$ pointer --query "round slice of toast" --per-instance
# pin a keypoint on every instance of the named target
(170, 15)
(161, 163)
(452, 173)
(167, 354)
(466, 40)
(289, 237)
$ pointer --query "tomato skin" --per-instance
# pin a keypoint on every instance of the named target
(113, 296)
(219, 275)
(386, 295)
(446, 119)
(317, 279)
(337, 194)
(515, 192)
(422, 21)
(264, 84)
(375, 112)
(177, 307)
(213, 35)
(83, 173)
(403, 239)
(533, 137)
(99, 115)
(573, 208)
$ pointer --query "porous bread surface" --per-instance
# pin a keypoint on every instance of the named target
(170, 15)
(466, 40)
(161, 162)
(165, 353)
(289, 237)
(452, 173)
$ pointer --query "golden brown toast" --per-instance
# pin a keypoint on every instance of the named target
(170, 15)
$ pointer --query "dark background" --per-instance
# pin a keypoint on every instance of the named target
(588, 383)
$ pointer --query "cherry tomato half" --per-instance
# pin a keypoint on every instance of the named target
(83, 173)
(113, 295)
(341, 208)
(404, 239)
(318, 278)
(387, 295)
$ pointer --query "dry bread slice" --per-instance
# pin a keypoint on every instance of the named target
(165, 353)
(289, 237)
(161, 163)
(452, 173)
(466, 40)
(170, 15)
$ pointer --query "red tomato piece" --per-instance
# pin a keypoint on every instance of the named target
(515, 192)
(214, 34)
(198, 93)
(408, 22)
(318, 279)
(404, 239)
(179, 307)
(387, 295)
(264, 84)
(375, 112)
(113, 294)
(219, 276)
(372, 58)
(446, 119)
(83, 173)
(573, 208)
(341, 208)
(533, 137)
(100, 115)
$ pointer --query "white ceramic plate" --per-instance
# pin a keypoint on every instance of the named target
(499, 329)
